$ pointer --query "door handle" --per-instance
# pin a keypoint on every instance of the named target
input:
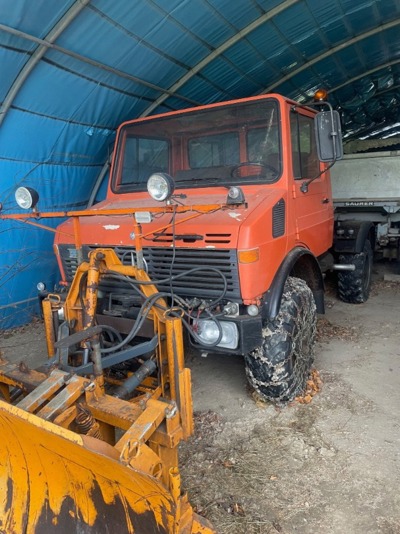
(325, 200)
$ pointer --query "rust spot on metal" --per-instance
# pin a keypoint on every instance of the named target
(86, 423)
(23, 368)
(92, 287)
(9, 493)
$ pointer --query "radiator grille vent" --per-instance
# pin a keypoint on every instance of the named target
(205, 283)
(278, 218)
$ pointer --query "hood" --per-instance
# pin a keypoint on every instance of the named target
(219, 229)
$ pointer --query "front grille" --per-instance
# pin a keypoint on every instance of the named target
(158, 260)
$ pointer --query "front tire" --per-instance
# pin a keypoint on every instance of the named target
(354, 286)
(278, 370)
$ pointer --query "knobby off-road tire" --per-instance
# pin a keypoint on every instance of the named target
(279, 368)
(354, 286)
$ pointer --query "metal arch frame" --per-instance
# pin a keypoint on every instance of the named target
(331, 52)
(46, 44)
(365, 74)
(217, 52)
(37, 55)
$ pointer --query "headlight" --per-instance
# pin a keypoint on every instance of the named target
(160, 186)
(26, 197)
(208, 332)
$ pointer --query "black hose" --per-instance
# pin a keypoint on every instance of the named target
(213, 303)
(133, 283)
(131, 383)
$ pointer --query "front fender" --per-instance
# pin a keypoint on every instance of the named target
(300, 262)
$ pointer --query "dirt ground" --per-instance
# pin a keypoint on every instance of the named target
(331, 466)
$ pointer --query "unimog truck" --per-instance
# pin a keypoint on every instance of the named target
(366, 192)
(263, 162)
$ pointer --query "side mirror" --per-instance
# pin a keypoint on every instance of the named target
(328, 133)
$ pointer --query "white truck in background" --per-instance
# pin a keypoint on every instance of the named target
(366, 187)
(366, 197)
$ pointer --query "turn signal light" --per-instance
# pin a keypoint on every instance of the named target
(249, 256)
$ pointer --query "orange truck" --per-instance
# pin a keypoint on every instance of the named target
(248, 273)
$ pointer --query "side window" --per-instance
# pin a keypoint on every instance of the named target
(304, 150)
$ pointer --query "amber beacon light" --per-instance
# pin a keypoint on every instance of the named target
(321, 95)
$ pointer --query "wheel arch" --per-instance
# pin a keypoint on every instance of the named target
(301, 263)
(363, 230)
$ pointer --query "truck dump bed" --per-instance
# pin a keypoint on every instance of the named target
(363, 180)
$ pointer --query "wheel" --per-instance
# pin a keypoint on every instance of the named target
(278, 370)
(354, 286)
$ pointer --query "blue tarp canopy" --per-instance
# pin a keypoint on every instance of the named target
(71, 71)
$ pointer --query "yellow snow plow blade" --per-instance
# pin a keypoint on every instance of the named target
(89, 442)
(54, 480)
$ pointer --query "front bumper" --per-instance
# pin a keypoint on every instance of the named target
(250, 336)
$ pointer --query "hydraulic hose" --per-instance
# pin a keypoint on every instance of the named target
(131, 383)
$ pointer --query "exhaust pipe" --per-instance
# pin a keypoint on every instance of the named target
(343, 267)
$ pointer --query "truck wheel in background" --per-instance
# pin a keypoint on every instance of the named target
(354, 286)
(278, 370)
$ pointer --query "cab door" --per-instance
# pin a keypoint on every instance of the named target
(313, 207)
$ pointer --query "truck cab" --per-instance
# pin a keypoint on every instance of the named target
(241, 267)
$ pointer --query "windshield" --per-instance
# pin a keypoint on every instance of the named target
(236, 143)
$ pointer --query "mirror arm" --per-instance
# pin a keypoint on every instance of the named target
(306, 183)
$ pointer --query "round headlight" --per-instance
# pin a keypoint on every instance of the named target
(160, 186)
(26, 197)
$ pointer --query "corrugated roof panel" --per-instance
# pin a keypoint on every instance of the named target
(388, 9)
(36, 18)
(156, 32)
(97, 75)
(372, 48)
(239, 13)
(11, 63)
(267, 40)
(201, 20)
(244, 55)
(268, 5)
(191, 89)
(224, 74)
(285, 62)
(91, 34)
(328, 16)
(328, 72)
(296, 24)
(290, 90)
(360, 15)
(19, 44)
(140, 17)
(392, 42)
(263, 73)
(349, 59)
(240, 86)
